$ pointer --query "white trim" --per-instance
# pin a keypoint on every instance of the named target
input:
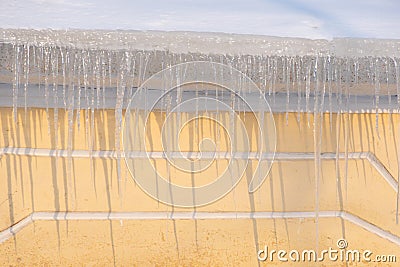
(14, 229)
(281, 156)
(101, 216)
(38, 216)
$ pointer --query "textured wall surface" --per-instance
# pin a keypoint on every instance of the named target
(46, 184)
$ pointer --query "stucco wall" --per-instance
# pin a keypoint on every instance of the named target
(37, 184)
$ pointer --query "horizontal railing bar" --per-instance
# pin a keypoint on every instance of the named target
(280, 156)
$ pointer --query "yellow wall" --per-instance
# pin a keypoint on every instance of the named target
(47, 184)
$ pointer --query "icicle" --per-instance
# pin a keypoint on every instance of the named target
(387, 71)
(26, 67)
(69, 63)
(337, 158)
(63, 65)
(275, 75)
(39, 61)
(377, 92)
(330, 78)
(218, 112)
(77, 66)
(133, 68)
(298, 66)
(103, 76)
(325, 72)
(286, 79)
(92, 64)
(347, 125)
(270, 76)
(232, 120)
(97, 77)
(261, 74)
(338, 84)
(178, 101)
(146, 61)
(197, 107)
(109, 56)
(241, 91)
(389, 94)
(121, 85)
(325, 77)
(397, 74)
(357, 75)
(16, 81)
(308, 91)
(85, 71)
(46, 84)
(317, 147)
(54, 69)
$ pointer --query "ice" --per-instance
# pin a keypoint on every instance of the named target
(387, 72)
(397, 78)
(287, 85)
(118, 115)
(87, 78)
(46, 84)
(347, 123)
(92, 107)
(64, 55)
(377, 91)
(317, 143)
(297, 83)
(330, 78)
(77, 67)
(103, 77)
(15, 87)
(26, 70)
(85, 71)
(54, 69)
(96, 76)
(308, 91)
(337, 157)
(70, 113)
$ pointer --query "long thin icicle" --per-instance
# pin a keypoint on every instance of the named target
(317, 147)
(397, 66)
(16, 82)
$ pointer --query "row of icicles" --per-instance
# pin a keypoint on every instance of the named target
(84, 76)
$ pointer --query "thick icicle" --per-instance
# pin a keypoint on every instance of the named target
(347, 125)
(16, 81)
(286, 79)
(97, 78)
(297, 67)
(330, 78)
(54, 68)
(125, 68)
(46, 85)
(92, 107)
(71, 104)
(64, 56)
(26, 69)
(317, 147)
(103, 78)
(308, 91)
(397, 74)
(274, 77)
(85, 71)
(78, 87)
(377, 92)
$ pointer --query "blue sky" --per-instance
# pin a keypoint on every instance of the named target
(293, 18)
